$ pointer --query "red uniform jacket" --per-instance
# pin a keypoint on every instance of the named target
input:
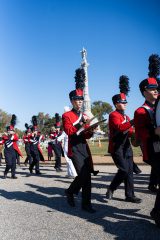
(144, 130)
(38, 140)
(26, 139)
(53, 136)
(118, 123)
(14, 140)
(15, 145)
(71, 126)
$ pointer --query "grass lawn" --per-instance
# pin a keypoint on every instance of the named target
(96, 147)
(101, 148)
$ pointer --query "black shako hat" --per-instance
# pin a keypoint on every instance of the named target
(58, 123)
(124, 89)
(148, 83)
(34, 127)
(119, 98)
(154, 71)
(12, 123)
(28, 128)
(76, 95)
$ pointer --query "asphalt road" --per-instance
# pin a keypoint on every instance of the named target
(35, 208)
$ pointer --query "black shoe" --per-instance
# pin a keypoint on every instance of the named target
(13, 177)
(30, 169)
(38, 173)
(95, 172)
(109, 194)
(155, 216)
(133, 199)
(136, 169)
(88, 208)
(153, 213)
(69, 176)
(70, 198)
(153, 188)
(5, 176)
(59, 170)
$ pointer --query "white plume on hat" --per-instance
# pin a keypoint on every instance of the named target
(66, 109)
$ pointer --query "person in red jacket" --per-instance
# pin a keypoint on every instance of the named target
(120, 129)
(78, 151)
(35, 150)
(56, 145)
(145, 129)
(8, 140)
(11, 150)
(26, 140)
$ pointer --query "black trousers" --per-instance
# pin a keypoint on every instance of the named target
(156, 169)
(17, 157)
(83, 180)
(28, 159)
(10, 157)
(0, 158)
(28, 152)
(124, 174)
(153, 181)
(57, 151)
(36, 159)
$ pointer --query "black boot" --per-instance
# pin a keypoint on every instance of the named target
(70, 198)
(109, 194)
(152, 188)
(13, 177)
(136, 169)
(95, 172)
(155, 214)
(88, 208)
(38, 172)
(30, 169)
(5, 175)
(133, 199)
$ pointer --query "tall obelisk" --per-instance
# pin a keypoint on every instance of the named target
(87, 101)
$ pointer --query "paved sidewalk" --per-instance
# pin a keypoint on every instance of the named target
(34, 208)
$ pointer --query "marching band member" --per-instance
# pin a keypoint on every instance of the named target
(146, 133)
(120, 129)
(36, 152)
(11, 148)
(15, 142)
(1, 148)
(26, 140)
(71, 172)
(78, 151)
(56, 145)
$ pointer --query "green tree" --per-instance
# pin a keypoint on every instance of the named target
(19, 132)
(5, 119)
(45, 122)
(101, 109)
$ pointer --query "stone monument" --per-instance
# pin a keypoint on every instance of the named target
(87, 101)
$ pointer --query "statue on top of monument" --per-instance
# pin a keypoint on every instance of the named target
(84, 53)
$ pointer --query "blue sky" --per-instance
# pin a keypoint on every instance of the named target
(40, 44)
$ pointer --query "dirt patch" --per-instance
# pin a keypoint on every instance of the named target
(108, 160)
